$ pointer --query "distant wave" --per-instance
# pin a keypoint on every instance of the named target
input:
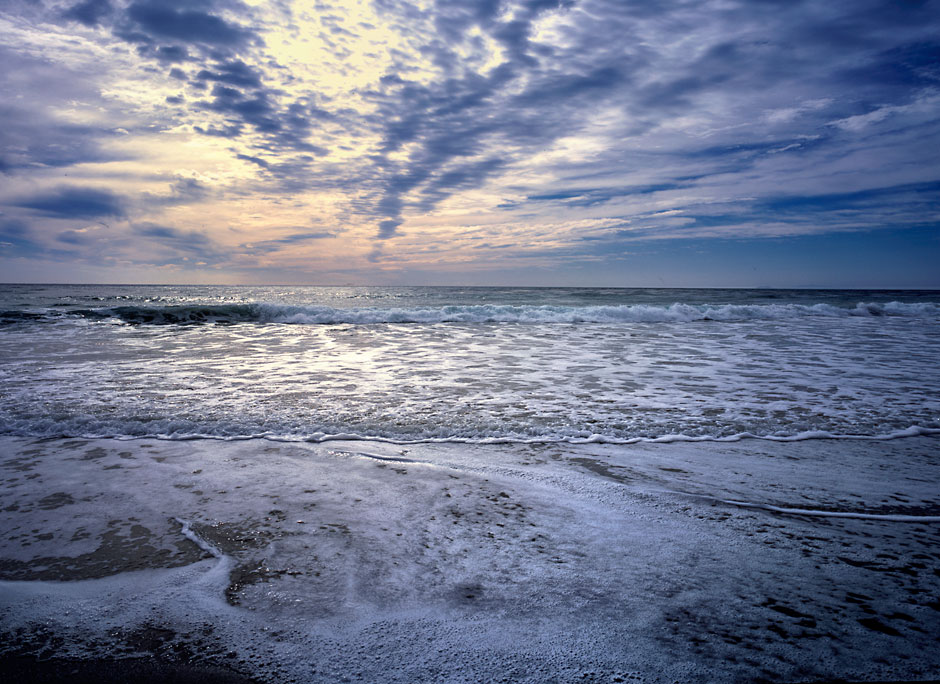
(325, 315)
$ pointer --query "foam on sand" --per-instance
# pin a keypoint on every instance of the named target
(858, 515)
(443, 562)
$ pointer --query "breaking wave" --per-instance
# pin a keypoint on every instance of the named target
(228, 314)
(180, 429)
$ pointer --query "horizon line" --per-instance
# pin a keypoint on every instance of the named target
(490, 287)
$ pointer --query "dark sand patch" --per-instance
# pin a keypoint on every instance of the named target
(243, 541)
(602, 469)
(56, 500)
(124, 547)
(114, 671)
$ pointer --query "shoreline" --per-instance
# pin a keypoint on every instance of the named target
(912, 431)
(452, 562)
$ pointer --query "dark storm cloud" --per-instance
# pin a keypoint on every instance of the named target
(467, 113)
(73, 202)
(254, 108)
(234, 73)
(706, 109)
(764, 59)
(171, 53)
(216, 37)
(758, 57)
(258, 161)
(162, 19)
(90, 12)
(228, 131)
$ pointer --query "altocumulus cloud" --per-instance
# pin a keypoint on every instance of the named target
(401, 125)
(150, 21)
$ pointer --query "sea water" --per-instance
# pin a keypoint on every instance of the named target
(472, 484)
(476, 365)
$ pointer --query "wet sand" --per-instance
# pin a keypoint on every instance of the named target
(27, 670)
(806, 561)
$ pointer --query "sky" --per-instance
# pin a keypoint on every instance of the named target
(711, 143)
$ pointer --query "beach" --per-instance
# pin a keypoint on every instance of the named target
(427, 484)
(372, 561)
(462, 342)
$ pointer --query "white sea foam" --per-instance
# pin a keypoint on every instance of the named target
(484, 313)
(492, 313)
(674, 313)
(489, 562)
(503, 372)
(857, 515)
(187, 531)
(171, 430)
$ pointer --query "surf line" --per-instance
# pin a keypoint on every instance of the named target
(188, 532)
(887, 517)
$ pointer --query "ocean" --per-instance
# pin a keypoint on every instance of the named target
(474, 365)
(454, 484)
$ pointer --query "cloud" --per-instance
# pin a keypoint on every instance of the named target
(161, 19)
(234, 73)
(910, 203)
(672, 86)
(171, 53)
(255, 109)
(89, 12)
(217, 38)
(254, 160)
(169, 245)
(407, 128)
(36, 133)
(31, 139)
(73, 203)
(590, 196)
(16, 239)
(450, 122)
(265, 246)
(182, 191)
(74, 237)
(170, 234)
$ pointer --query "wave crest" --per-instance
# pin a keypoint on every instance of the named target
(483, 313)
(85, 427)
